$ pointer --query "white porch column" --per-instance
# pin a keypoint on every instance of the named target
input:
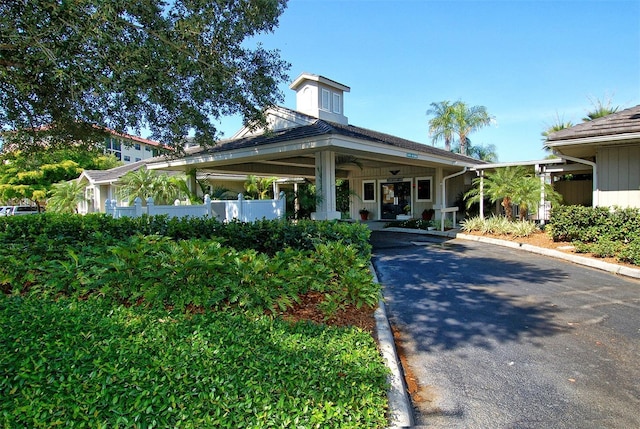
(439, 201)
(326, 186)
(481, 194)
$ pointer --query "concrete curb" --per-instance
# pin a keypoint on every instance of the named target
(580, 260)
(400, 409)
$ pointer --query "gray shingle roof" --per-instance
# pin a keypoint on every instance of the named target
(115, 173)
(626, 121)
(321, 127)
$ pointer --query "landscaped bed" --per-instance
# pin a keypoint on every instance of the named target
(105, 324)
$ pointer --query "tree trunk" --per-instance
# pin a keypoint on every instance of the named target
(506, 203)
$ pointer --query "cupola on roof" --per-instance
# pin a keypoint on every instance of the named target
(320, 97)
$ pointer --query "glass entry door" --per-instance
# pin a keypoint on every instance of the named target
(395, 197)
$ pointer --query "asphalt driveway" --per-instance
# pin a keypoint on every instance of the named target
(501, 338)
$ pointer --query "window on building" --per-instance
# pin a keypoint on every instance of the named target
(147, 148)
(136, 146)
(138, 159)
(336, 103)
(369, 190)
(325, 99)
(113, 146)
(424, 185)
(127, 158)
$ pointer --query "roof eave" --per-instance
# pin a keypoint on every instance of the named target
(594, 140)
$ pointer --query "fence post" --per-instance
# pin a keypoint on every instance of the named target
(107, 207)
(137, 203)
(241, 207)
(207, 205)
(283, 204)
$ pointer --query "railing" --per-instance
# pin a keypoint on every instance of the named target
(225, 211)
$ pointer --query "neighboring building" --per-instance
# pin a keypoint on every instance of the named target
(391, 177)
(130, 149)
(608, 149)
(101, 185)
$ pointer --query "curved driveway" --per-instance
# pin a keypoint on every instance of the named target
(502, 338)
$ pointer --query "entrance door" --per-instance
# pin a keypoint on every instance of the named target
(395, 197)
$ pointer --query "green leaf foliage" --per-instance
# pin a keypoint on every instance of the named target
(172, 67)
(602, 231)
(89, 364)
(155, 322)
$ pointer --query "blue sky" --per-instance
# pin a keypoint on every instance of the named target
(528, 62)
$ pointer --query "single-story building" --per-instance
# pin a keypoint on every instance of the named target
(608, 149)
(389, 176)
(100, 185)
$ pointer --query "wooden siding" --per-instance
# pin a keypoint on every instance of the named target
(575, 192)
(619, 176)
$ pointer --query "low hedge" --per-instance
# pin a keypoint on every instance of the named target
(590, 224)
(160, 271)
(602, 231)
(88, 364)
(263, 236)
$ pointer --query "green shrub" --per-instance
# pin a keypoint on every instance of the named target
(158, 272)
(603, 248)
(263, 236)
(89, 364)
(589, 224)
(411, 223)
(631, 252)
(499, 225)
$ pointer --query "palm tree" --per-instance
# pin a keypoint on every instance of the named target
(558, 125)
(456, 119)
(145, 183)
(512, 185)
(441, 126)
(259, 187)
(467, 120)
(600, 110)
(482, 152)
(65, 197)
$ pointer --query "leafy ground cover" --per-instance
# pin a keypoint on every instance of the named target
(153, 331)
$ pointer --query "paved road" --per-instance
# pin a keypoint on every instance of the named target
(501, 338)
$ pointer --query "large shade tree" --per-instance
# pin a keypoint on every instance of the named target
(27, 177)
(68, 68)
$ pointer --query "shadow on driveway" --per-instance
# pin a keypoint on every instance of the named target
(446, 299)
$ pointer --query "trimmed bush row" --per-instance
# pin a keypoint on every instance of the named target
(604, 232)
(590, 224)
(161, 272)
(263, 236)
(88, 364)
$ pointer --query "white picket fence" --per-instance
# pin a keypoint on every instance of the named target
(223, 210)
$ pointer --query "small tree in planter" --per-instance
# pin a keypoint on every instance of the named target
(364, 214)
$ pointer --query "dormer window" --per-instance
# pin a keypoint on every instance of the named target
(325, 100)
(320, 97)
(336, 103)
